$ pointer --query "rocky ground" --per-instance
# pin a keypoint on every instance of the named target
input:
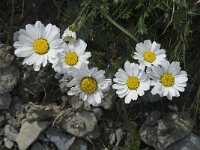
(36, 114)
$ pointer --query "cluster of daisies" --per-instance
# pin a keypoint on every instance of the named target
(40, 44)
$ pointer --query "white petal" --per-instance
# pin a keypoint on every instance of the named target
(80, 46)
(147, 44)
(97, 97)
(128, 98)
(128, 68)
(24, 51)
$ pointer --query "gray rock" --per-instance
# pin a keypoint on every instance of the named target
(9, 144)
(16, 106)
(98, 112)
(5, 101)
(2, 119)
(61, 140)
(115, 138)
(29, 132)
(112, 138)
(10, 133)
(108, 100)
(5, 57)
(78, 123)
(190, 142)
(148, 97)
(75, 102)
(63, 85)
(40, 112)
(79, 145)
(37, 146)
(16, 36)
(94, 134)
(162, 132)
(8, 79)
(119, 135)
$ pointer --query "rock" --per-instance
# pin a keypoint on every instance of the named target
(5, 101)
(190, 142)
(2, 119)
(173, 108)
(148, 97)
(107, 101)
(162, 132)
(94, 134)
(29, 133)
(16, 107)
(98, 112)
(79, 145)
(38, 86)
(78, 123)
(37, 146)
(8, 79)
(116, 137)
(112, 138)
(10, 133)
(9, 144)
(40, 112)
(119, 135)
(61, 140)
(75, 102)
(5, 57)
(63, 85)
(16, 36)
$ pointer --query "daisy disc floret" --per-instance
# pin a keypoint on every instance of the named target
(131, 82)
(168, 79)
(73, 56)
(149, 54)
(38, 44)
(89, 84)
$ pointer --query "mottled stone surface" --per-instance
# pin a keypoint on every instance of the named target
(190, 142)
(78, 123)
(162, 132)
(5, 57)
(8, 79)
(5, 101)
(61, 140)
(29, 133)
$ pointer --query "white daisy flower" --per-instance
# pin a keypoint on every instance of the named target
(89, 84)
(168, 79)
(73, 56)
(131, 82)
(69, 35)
(149, 54)
(38, 44)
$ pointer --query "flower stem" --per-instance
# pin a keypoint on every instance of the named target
(131, 128)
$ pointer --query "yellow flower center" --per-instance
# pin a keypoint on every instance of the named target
(167, 79)
(40, 46)
(149, 56)
(133, 83)
(71, 58)
(88, 85)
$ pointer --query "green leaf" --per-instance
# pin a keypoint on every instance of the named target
(142, 29)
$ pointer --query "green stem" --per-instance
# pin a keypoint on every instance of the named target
(82, 11)
(117, 25)
(11, 21)
(63, 13)
(132, 129)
